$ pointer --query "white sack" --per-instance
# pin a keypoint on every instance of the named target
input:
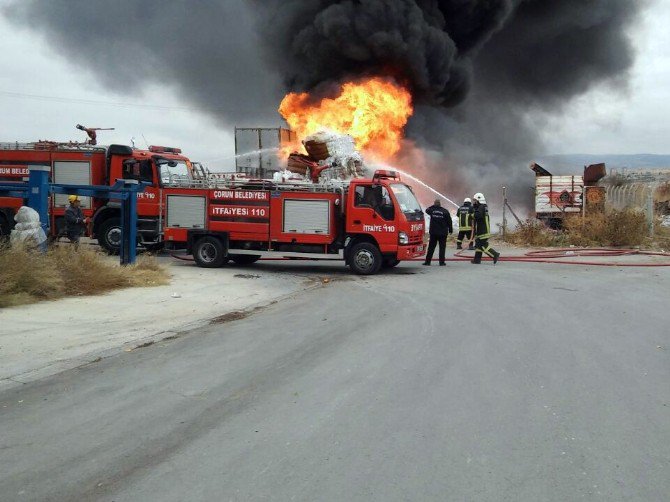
(28, 229)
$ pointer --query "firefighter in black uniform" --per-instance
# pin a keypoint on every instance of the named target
(440, 228)
(482, 230)
(465, 224)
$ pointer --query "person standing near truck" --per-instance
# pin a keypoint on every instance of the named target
(75, 222)
(440, 228)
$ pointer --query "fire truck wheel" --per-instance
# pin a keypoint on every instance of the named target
(365, 258)
(208, 253)
(109, 235)
(390, 263)
(244, 259)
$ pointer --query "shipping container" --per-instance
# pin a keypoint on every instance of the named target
(258, 150)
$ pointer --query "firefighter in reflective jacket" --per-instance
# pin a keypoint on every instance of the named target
(482, 230)
(465, 224)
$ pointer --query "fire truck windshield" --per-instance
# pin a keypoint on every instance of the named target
(406, 199)
(173, 171)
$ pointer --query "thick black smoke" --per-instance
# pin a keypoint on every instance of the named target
(484, 73)
(426, 44)
(209, 51)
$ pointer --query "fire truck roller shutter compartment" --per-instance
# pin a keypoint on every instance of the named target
(306, 216)
(186, 211)
(72, 173)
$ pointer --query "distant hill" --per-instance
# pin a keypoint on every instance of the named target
(573, 163)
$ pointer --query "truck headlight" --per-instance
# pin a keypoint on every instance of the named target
(403, 239)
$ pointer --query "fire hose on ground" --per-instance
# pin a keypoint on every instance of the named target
(562, 256)
(565, 256)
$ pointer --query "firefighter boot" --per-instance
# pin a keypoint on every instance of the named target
(458, 245)
(471, 247)
(478, 258)
(496, 255)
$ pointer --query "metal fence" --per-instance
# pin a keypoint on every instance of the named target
(640, 196)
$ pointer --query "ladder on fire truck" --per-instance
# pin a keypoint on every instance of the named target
(41, 146)
(203, 178)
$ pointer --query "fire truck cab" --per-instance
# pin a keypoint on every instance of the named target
(369, 223)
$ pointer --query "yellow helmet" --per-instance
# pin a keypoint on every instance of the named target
(73, 198)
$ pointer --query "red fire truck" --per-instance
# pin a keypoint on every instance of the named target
(369, 223)
(83, 164)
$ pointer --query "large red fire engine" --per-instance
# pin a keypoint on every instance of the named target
(368, 223)
(83, 164)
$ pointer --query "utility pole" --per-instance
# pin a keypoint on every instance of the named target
(504, 223)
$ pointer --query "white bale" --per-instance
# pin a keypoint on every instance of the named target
(344, 161)
(28, 230)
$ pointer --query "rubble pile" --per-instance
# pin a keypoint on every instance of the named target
(330, 156)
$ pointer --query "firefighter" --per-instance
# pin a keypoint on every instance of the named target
(75, 222)
(440, 228)
(482, 230)
(465, 224)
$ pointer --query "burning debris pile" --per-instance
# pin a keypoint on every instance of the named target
(372, 111)
(329, 156)
(364, 117)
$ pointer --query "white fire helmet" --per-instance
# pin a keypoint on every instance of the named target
(479, 197)
(467, 201)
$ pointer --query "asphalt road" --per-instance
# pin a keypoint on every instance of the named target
(516, 382)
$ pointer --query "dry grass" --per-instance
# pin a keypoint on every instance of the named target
(28, 276)
(614, 228)
(534, 233)
(662, 237)
(147, 272)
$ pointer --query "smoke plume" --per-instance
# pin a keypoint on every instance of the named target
(208, 51)
(484, 74)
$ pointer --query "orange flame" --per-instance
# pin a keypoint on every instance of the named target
(374, 112)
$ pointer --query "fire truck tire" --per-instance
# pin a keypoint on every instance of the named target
(244, 259)
(109, 235)
(208, 252)
(390, 263)
(365, 258)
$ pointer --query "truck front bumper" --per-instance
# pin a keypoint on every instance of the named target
(410, 252)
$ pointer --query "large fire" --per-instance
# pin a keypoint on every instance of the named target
(374, 112)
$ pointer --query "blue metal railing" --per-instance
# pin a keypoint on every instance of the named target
(36, 193)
